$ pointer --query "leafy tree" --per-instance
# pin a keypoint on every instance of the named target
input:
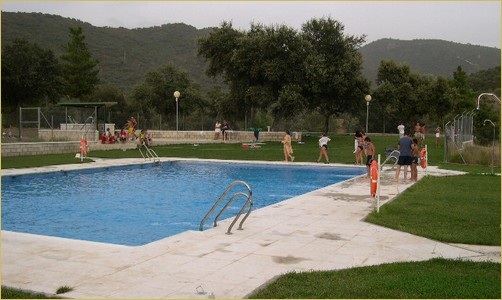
(30, 74)
(444, 98)
(464, 94)
(155, 95)
(218, 48)
(395, 93)
(269, 68)
(486, 81)
(79, 68)
(333, 64)
(262, 67)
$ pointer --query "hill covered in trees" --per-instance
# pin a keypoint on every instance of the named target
(433, 57)
(125, 55)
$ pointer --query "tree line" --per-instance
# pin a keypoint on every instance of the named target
(273, 75)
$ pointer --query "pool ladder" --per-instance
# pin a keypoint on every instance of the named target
(394, 155)
(149, 154)
(248, 203)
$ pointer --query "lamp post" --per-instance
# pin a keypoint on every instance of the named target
(367, 98)
(177, 95)
(487, 94)
(493, 142)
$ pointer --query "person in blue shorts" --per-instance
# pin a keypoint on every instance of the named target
(404, 146)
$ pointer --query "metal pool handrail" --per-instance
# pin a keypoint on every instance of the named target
(249, 202)
(393, 155)
(149, 153)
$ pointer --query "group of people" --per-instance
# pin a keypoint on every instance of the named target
(222, 129)
(288, 148)
(128, 132)
(364, 144)
(409, 154)
(108, 137)
(419, 133)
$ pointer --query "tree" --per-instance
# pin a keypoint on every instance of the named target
(30, 74)
(464, 94)
(263, 68)
(80, 72)
(269, 69)
(486, 81)
(397, 94)
(334, 82)
(155, 94)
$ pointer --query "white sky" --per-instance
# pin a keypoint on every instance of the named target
(474, 22)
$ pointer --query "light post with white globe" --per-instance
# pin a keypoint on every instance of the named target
(177, 95)
(368, 99)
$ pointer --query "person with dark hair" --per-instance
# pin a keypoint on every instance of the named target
(217, 130)
(404, 146)
(224, 128)
(415, 154)
(359, 142)
(369, 150)
(323, 144)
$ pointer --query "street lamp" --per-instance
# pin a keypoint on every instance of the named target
(493, 142)
(368, 99)
(177, 95)
(487, 94)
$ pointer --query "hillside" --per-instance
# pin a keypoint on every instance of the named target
(434, 57)
(125, 55)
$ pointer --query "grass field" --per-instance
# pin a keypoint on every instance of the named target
(340, 151)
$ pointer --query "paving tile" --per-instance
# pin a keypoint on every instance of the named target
(321, 230)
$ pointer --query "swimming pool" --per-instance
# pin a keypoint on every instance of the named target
(138, 204)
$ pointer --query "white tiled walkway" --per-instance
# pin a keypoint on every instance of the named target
(320, 230)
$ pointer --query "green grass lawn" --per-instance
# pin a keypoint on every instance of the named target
(454, 209)
(433, 279)
(458, 209)
(340, 151)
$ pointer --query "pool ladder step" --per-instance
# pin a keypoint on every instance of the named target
(248, 204)
(394, 155)
(149, 153)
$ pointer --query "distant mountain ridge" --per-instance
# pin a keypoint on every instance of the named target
(125, 55)
(429, 56)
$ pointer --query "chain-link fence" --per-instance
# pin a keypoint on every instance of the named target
(458, 135)
(54, 124)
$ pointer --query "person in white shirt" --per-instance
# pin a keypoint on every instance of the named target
(400, 128)
(323, 144)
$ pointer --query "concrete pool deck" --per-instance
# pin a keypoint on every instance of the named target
(320, 230)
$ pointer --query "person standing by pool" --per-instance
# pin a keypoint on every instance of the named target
(359, 142)
(369, 149)
(438, 134)
(400, 129)
(131, 128)
(323, 144)
(288, 149)
(415, 154)
(404, 146)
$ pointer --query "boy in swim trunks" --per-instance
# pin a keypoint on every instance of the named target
(369, 149)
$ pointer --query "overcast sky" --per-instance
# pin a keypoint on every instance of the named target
(474, 22)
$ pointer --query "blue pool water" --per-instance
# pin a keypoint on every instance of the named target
(136, 205)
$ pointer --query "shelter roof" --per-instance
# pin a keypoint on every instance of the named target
(87, 104)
